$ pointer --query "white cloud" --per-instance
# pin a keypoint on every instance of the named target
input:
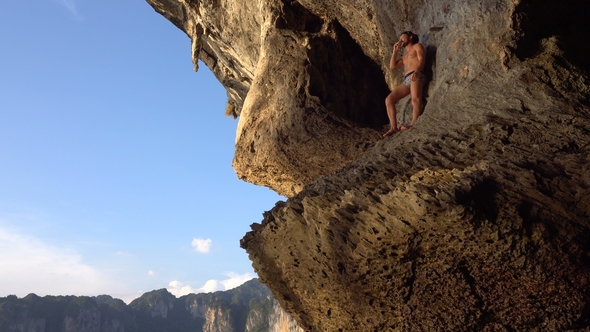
(71, 6)
(236, 280)
(151, 273)
(179, 289)
(124, 254)
(28, 265)
(201, 245)
(210, 287)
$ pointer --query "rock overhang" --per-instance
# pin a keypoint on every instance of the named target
(495, 174)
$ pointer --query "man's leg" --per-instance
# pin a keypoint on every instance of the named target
(398, 93)
(416, 88)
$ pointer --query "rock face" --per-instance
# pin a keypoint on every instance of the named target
(297, 80)
(280, 321)
(478, 218)
(64, 314)
(218, 318)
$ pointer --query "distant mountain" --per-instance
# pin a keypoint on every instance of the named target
(248, 308)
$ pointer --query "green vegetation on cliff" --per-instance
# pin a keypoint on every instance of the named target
(156, 311)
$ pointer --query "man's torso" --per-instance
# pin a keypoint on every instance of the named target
(410, 59)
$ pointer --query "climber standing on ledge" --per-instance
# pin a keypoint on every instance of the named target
(413, 61)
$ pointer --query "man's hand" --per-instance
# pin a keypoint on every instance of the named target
(393, 63)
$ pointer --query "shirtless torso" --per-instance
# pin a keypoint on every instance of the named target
(410, 60)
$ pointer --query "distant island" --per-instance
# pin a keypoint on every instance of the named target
(249, 308)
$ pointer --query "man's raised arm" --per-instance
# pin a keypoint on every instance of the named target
(393, 63)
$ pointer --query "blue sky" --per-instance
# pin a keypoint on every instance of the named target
(115, 157)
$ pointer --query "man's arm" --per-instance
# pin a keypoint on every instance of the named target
(421, 55)
(393, 63)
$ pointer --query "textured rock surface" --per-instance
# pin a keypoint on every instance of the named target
(269, 316)
(476, 219)
(280, 321)
(85, 320)
(29, 325)
(297, 80)
(309, 76)
(218, 319)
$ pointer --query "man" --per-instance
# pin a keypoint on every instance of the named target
(414, 79)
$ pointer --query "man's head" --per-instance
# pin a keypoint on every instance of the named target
(408, 37)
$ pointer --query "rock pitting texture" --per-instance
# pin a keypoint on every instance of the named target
(478, 218)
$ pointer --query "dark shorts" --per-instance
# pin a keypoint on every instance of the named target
(408, 78)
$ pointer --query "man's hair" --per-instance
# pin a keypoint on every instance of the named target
(413, 37)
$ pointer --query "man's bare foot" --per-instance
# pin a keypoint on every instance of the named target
(404, 127)
(390, 132)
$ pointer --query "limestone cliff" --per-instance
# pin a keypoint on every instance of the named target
(154, 311)
(280, 321)
(478, 218)
(64, 314)
(269, 316)
(86, 319)
(218, 318)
